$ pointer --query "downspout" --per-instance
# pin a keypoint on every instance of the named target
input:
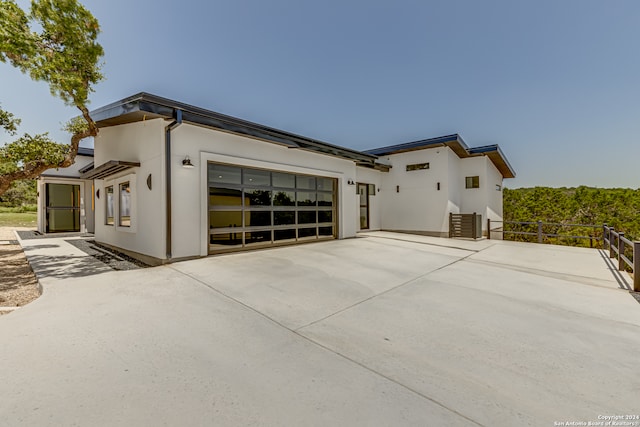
(167, 155)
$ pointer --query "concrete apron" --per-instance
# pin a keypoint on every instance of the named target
(377, 330)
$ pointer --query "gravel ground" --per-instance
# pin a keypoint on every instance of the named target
(18, 284)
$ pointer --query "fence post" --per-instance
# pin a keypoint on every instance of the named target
(539, 231)
(488, 229)
(450, 224)
(611, 233)
(636, 266)
(473, 226)
(621, 263)
(604, 236)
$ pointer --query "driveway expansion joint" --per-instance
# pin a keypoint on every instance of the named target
(330, 350)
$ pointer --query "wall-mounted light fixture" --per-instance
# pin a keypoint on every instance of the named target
(397, 188)
(351, 182)
(438, 186)
(98, 193)
(186, 163)
(149, 181)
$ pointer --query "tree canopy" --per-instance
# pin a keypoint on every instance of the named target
(63, 52)
(617, 207)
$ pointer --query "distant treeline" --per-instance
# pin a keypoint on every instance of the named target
(617, 207)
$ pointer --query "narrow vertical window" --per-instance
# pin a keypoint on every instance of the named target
(124, 219)
(110, 208)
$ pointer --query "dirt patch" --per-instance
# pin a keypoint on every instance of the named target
(18, 284)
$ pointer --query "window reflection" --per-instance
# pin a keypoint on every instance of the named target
(306, 182)
(284, 218)
(258, 218)
(258, 197)
(254, 237)
(325, 199)
(284, 234)
(259, 207)
(284, 198)
(223, 174)
(284, 180)
(324, 216)
(306, 199)
(306, 217)
(224, 219)
(225, 197)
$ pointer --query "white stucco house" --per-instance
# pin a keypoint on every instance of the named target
(171, 181)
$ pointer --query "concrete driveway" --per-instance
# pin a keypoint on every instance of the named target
(386, 329)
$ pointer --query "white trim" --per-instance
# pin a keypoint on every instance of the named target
(132, 180)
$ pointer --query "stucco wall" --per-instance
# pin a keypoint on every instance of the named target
(411, 200)
(141, 142)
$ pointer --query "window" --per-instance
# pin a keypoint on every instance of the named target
(371, 189)
(498, 187)
(110, 201)
(417, 167)
(251, 207)
(124, 217)
(120, 203)
(472, 182)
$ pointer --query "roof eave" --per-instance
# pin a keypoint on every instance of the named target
(144, 105)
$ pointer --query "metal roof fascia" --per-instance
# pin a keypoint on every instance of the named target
(109, 168)
(144, 102)
(493, 148)
(423, 143)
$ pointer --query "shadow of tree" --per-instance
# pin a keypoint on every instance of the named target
(66, 266)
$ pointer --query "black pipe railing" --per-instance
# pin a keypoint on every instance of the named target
(541, 236)
(627, 252)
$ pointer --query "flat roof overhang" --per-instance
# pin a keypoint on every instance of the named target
(107, 169)
(458, 146)
(144, 106)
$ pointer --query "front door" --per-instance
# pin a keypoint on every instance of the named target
(63, 208)
(363, 193)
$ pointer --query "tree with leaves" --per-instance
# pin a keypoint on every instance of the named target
(65, 54)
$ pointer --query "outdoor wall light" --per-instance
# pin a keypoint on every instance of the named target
(149, 180)
(186, 163)
(350, 182)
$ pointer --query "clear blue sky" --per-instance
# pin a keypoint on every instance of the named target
(554, 83)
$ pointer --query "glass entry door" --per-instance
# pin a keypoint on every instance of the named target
(63, 208)
(363, 194)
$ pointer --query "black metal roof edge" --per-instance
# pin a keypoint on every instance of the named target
(83, 151)
(493, 148)
(418, 144)
(147, 102)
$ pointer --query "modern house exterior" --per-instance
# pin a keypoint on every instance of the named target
(172, 181)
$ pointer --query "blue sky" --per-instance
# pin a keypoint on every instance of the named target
(554, 83)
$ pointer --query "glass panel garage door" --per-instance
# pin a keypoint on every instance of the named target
(250, 208)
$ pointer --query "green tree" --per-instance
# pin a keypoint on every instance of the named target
(65, 54)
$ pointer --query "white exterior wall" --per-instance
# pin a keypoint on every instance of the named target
(141, 142)
(190, 204)
(484, 200)
(418, 205)
(370, 176)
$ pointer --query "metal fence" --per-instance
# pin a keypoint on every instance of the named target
(546, 232)
(627, 252)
